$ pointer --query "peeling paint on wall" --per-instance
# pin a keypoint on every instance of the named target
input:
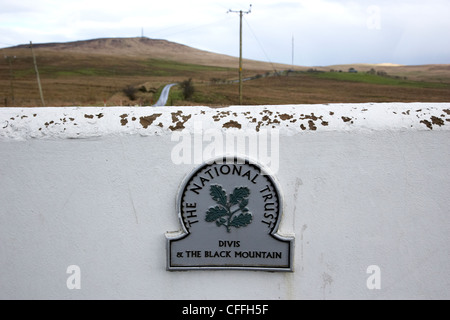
(148, 121)
(124, 120)
(47, 123)
(179, 120)
(232, 124)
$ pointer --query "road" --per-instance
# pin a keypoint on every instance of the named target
(164, 96)
(165, 93)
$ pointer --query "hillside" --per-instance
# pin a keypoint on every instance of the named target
(133, 71)
(150, 48)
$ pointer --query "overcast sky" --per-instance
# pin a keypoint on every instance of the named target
(326, 32)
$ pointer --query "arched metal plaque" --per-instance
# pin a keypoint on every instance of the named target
(230, 210)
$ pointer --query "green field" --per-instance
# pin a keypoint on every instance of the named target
(379, 80)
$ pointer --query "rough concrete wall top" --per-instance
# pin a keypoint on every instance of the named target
(88, 122)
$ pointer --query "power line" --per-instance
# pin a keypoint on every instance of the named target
(260, 45)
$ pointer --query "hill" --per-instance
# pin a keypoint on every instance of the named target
(133, 71)
(150, 48)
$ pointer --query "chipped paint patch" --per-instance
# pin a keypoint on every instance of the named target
(124, 120)
(312, 125)
(148, 121)
(346, 119)
(286, 116)
(427, 123)
(434, 121)
(267, 121)
(232, 124)
(179, 120)
(437, 121)
(221, 115)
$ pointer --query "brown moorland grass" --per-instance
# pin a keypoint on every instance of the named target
(430, 72)
(307, 89)
(90, 73)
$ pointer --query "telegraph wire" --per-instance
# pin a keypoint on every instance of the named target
(260, 45)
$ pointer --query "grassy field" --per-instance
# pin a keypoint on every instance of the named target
(78, 78)
(308, 88)
(380, 80)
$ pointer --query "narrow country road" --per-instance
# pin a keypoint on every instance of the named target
(164, 96)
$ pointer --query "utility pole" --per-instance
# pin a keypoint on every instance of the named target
(241, 13)
(37, 75)
(11, 77)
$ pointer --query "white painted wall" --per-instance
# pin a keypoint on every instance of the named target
(369, 188)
